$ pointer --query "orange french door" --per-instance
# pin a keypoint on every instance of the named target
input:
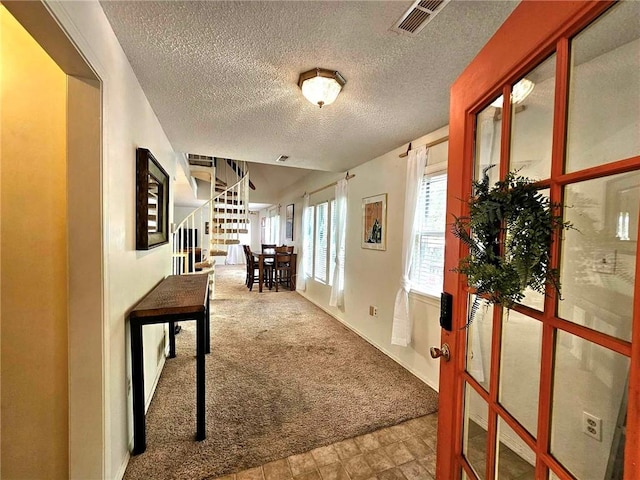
(551, 388)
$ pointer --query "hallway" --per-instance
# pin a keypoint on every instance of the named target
(283, 378)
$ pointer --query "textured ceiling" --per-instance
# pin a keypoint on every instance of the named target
(222, 76)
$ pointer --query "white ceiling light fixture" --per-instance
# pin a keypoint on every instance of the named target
(519, 92)
(321, 86)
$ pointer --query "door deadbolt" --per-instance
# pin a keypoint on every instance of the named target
(441, 352)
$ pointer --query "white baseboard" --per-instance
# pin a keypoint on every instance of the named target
(389, 354)
(123, 467)
(156, 380)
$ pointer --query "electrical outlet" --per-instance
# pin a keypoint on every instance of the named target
(373, 311)
(592, 426)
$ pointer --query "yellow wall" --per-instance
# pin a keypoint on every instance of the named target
(33, 255)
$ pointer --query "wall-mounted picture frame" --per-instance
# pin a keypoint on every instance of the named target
(374, 222)
(289, 222)
(152, 202)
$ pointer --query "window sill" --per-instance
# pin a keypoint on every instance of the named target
(425, 298)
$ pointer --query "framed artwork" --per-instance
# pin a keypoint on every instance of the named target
(374, 222)
(289, 222)
(152, 202)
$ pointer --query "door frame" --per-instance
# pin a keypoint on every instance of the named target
(526, 38)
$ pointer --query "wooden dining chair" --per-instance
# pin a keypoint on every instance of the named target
(269, 248)
(282, 268)
(253, 270)
(247, 254)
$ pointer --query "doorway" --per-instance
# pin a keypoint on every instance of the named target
(52, 252)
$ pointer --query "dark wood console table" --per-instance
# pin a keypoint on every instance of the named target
(176, 298)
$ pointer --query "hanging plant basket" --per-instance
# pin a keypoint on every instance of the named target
(509, 232)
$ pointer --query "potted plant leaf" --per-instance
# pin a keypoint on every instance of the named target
(509, 232)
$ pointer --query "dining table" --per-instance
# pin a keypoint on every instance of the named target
(270, 256)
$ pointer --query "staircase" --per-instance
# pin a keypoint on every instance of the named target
(230, 214)
(212, 228)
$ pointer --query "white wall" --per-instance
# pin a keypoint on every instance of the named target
(373, 277)
(128, 122)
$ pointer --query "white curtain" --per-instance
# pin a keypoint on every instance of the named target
(301, 282)
(337, 290)
(402, 326)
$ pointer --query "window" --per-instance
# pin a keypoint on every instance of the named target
(427, 268)
(308, 236)
(271, 232)
(322, 250)
(321, 242)
(332, 244)
(275, 229)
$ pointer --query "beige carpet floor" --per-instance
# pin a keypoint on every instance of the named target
(283, 377)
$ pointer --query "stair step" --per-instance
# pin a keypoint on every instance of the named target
(217, 253)
(229, 194)
(220, 231)
(224, 242)
(229, 202)
(230, 220)
(239, 211)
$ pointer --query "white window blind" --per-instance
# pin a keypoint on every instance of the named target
(320, 261)
(271, 233)
(332, 243)
(427, 268)
(308, 249)
(275, 229)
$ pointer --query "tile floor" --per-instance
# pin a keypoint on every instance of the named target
(510, 465)
(402, 452)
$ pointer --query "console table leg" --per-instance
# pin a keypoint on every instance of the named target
(200, 382)
(137, 382)
(207, 324)
(172, 339)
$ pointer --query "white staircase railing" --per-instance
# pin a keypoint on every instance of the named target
(218, 223)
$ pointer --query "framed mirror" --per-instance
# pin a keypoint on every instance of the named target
(152, 202)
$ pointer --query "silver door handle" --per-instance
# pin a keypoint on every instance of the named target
(443, 352)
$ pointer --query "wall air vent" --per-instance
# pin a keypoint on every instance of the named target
(418, 15)
(282, 158)
(200, 160)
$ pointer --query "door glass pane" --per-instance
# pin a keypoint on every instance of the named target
(516, 460)
(588, 397)
(479, 335)
(605, 81)
(476, 415)
(521, 350)
(532, 124)
(488, 134)
(599, 255)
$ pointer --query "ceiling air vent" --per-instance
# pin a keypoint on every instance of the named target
(419, 14)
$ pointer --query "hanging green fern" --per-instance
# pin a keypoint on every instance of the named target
(509, 232)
